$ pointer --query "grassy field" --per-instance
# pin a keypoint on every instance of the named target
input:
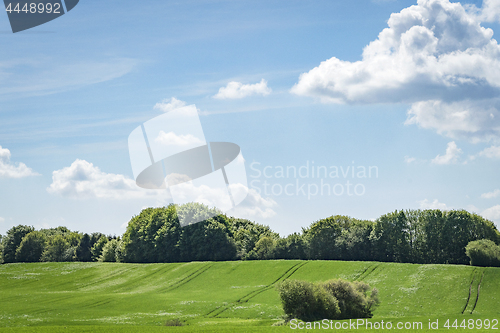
(225, 296)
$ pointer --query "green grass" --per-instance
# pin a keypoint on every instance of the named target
(220, 296)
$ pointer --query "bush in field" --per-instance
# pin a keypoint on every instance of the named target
(307, 301)
(483, 252)
(334, 299)
(353, 298)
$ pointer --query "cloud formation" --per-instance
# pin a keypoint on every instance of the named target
(491, 152)
(171, 104)
(491, 195)
(492, 213)
(435, 55)
(83, 180)
(172, 139)
(13, 170)
(450, 157)
(255, 206)
(235, 90)
(426, 204)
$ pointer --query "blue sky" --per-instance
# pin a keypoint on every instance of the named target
(312, 83)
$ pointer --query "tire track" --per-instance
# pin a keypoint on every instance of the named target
(188, 278)
(244, 299)
(477, 296)
(369, 270)
(470, 289)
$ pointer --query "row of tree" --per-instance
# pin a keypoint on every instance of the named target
(155, 235)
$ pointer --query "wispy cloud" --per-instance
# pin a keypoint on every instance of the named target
(48, 76)
(490, 195)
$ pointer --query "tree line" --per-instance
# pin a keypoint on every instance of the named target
(155, 235)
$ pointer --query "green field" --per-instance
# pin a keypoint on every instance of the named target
(225, 296)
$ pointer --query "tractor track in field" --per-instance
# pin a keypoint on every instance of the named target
(188, 278)
(477, 296)
(369, 270)
(286, 275)
(470, 290)
(475, 277)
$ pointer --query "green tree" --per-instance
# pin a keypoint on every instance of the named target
(109, 251)
(391, 238)
(264, 248)
(31, 247)
(58, 249)
(96, 250)
(12, 241)
(83, 250)
(322, 236)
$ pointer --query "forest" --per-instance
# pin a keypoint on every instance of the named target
(155, 236)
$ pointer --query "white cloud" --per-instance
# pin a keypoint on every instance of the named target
(476, 120)
(490, 12)
(450, 157)
(172, 139)
(492, 213)
(434, 54)
(170, 104)
(426, 204)
(410, 160)
(255, 206)
(84, 180)
(235, 90)
(491, 152)
(490, 195)
(2, 220)
(11, 170)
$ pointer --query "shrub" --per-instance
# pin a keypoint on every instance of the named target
(353, 298)
(306, 301)
(334, 299)
(483, 252)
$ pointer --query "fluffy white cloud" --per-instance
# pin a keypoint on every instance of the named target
(450, 157)
(2, 220)
(492, 213)
(434, 54)
(170, 104)
(235, 90)
(490, 195)
(11, 170)
(84, 180)
(490, 12)
(426, 204)
(172, 139)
